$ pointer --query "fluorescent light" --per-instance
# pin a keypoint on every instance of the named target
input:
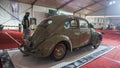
(66, 13)
(112, 2)
(103, 16)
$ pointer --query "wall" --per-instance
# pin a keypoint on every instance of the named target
(99, 22)
(5, 14)
(111, 11)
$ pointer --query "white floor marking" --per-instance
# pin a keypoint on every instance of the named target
(111, 59)
(13, 38)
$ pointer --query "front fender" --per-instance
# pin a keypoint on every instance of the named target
(94, 36)
(48, 45)
(100, 35)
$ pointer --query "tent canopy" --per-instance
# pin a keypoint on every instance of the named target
(75, 6)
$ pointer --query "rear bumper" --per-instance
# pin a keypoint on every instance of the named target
(33, 52)
(20, 48)
(26, 50)
(40, 50)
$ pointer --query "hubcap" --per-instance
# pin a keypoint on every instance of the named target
(59, 51)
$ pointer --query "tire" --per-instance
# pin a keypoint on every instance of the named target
(59, 52)
(97, 43)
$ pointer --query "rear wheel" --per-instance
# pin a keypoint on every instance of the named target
(59, 52)
(97, 42)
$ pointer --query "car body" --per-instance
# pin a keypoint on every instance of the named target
(57, 34)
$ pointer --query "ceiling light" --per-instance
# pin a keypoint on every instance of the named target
(112, 2)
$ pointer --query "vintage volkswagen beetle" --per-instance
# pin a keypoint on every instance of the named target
(57, 34)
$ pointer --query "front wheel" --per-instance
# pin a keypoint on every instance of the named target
(97, 42)
(59, 52)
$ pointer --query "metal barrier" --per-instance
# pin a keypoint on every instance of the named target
(19, 27)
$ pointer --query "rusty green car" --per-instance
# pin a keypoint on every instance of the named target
(56, 35)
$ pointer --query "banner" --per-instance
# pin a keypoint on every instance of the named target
(14, 5)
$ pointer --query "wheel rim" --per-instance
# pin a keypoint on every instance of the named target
(59, 51)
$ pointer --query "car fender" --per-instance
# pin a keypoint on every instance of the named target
(100, 35)
(48, 45)
(94, 36)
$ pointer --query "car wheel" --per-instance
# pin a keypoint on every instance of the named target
(59, 52)
(97, 42)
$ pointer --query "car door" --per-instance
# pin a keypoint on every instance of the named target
(85, 32)
(75, 34)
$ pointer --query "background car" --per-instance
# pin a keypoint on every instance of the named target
(56, 35)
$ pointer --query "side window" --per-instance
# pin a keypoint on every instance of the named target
(74, 23)
(67, 25)
(83, 24)
(71, 24)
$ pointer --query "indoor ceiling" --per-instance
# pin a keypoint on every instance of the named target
(75, 6)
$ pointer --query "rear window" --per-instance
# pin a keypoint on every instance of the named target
(46, 23)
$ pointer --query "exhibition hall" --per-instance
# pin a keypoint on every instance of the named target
(59, 34)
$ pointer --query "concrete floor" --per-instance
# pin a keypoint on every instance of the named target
(32, 62)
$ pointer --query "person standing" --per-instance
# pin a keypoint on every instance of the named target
(26, 25)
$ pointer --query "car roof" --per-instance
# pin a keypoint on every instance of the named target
(63, 17)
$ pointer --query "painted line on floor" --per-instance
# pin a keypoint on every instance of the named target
(111, 59)
(83, 60)
(12, 38)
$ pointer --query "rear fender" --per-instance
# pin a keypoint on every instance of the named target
(48, 45)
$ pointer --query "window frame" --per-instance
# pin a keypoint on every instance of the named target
(80, 23)
(70, 25)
